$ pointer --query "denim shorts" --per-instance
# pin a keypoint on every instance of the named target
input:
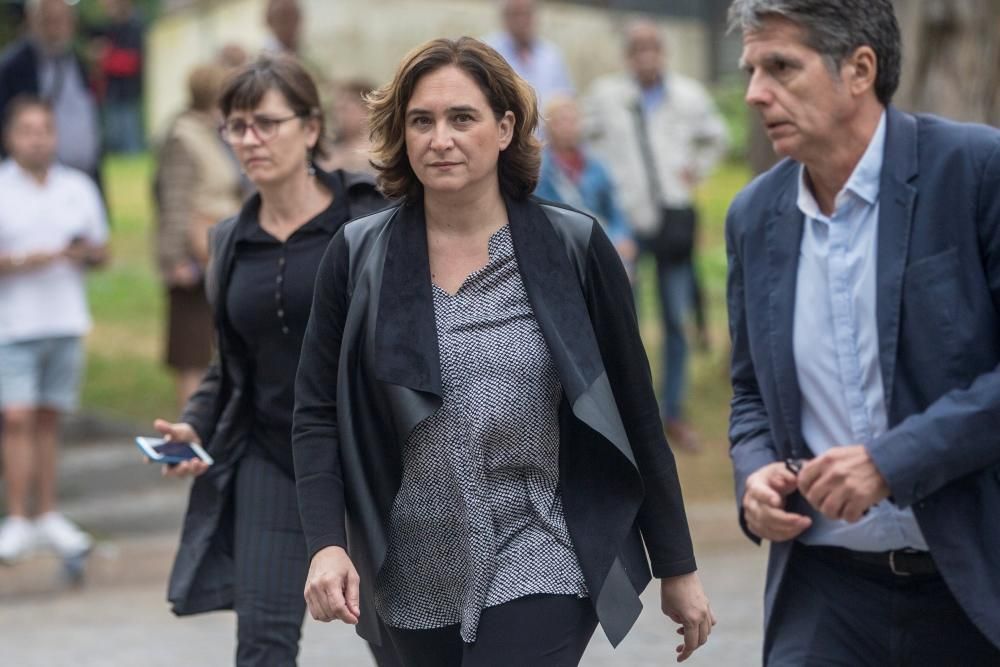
(41, 372)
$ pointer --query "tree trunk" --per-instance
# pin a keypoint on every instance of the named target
(951, 58)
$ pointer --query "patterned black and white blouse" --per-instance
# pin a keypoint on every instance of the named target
(478, 520)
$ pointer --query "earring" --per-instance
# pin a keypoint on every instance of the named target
(310, 167)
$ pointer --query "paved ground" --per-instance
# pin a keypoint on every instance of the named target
(118, 618)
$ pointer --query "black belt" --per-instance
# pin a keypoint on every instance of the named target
(899, 563)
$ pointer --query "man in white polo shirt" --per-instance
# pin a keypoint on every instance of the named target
(52, 227)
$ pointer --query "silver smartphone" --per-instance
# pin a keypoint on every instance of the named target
(170, 451)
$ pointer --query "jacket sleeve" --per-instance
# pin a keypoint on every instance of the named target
(662, 520)
(956, 435)
(751, 446)
(618, 228)
(711, 138)
(203, 407)
(175, 186)
(315, 440)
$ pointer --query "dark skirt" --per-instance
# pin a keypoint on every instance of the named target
(189, 328)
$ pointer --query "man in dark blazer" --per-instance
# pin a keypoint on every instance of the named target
(43, 64)
(864, 305)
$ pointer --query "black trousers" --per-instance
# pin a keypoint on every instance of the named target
(533, 631)
(829, 612)
(271, 567)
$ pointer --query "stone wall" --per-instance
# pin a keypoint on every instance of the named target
(346, 38)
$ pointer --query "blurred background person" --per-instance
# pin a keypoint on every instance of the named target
(117, 47)
(52, 227)
(43, 63)
(232, 55)
(660, 134)
(264, 260)
(197, 183)
(537, 61)
(350, 147)
(284, 26)
(572, 176)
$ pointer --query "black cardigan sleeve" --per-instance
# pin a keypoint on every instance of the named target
(315, 442)
(202, 407)
(662, 520)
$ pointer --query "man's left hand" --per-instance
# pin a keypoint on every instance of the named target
(843, 483)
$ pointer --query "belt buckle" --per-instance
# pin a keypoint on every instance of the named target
(892, 566)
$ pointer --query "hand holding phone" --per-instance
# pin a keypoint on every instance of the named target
(194, 460)
(171, 451)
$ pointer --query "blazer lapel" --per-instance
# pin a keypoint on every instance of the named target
(784, 238)
(554, 289)
(896, 200)
(405, 341)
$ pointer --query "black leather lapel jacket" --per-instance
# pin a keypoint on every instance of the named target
(369, 373)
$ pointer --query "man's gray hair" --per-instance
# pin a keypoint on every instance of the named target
(835, 29)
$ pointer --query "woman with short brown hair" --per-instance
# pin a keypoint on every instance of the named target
(518, 163)
(473, 393)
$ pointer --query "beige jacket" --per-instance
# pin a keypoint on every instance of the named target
(196, 185)
(687, 137)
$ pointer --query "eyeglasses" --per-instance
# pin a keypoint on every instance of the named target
(234, 131)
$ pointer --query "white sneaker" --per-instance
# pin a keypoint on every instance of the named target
(55, 531)
(17, 537)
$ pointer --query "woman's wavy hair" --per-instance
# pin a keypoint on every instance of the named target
(504, 90)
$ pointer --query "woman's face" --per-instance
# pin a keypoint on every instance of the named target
(453, 139)
(271, 142)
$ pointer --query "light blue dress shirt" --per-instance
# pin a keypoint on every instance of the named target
(543, 68)
(835, 344)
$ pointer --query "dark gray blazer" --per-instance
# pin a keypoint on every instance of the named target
(369, 373)
(938, 314)
(202, 575)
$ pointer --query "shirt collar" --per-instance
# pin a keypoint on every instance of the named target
(864, 181)
(328, 220)
(652, 96)
(26, 177)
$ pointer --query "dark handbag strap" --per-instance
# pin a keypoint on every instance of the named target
(642, 134)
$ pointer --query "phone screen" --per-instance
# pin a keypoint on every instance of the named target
(176, 449)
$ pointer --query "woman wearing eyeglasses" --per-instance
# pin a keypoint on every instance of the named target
(242, 546)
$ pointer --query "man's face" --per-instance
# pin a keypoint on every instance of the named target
(645, 54)
(31, 138)
(802, 104)
(53, 24)
(519, 19)
(117, 10)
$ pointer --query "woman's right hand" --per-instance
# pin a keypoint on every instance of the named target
(180, 432)
(332, 587)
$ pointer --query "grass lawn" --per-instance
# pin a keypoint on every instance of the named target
(126, 379)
